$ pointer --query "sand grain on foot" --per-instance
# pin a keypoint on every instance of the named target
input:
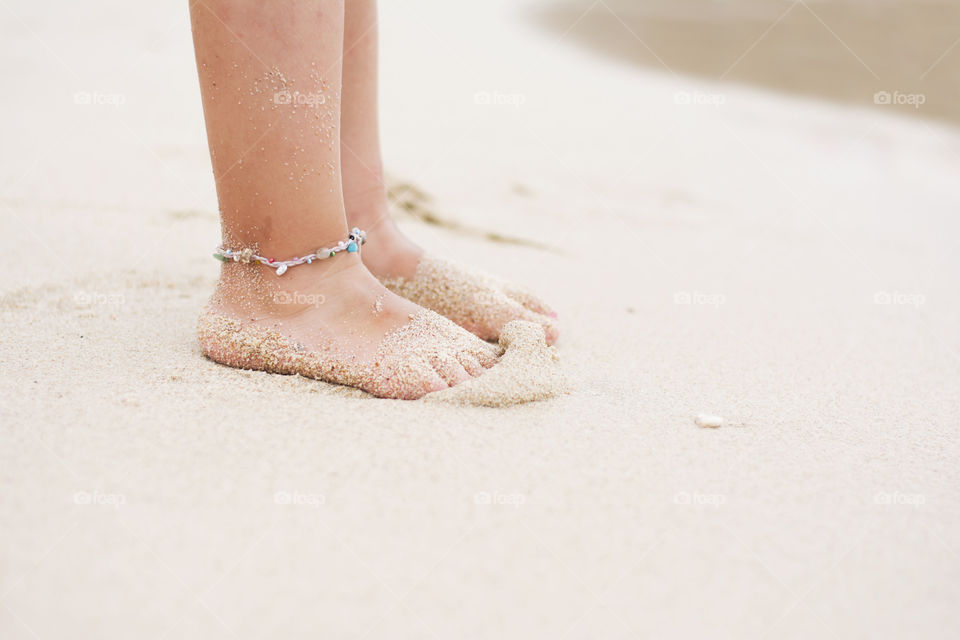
(528, 370)
(479, 302)
(401, 368)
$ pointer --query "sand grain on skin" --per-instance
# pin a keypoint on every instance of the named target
(528, 370)
(477, 301)
(400, 368)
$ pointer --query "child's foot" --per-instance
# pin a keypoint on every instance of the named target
(478, 302)
(333, 321)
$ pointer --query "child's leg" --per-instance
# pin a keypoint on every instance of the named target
(271, 97)
(483, 304)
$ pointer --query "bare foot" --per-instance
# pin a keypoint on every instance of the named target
(333, 321)
(477, 301)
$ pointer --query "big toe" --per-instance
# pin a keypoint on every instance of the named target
(550, 329)
(514, 311)
(528, 300)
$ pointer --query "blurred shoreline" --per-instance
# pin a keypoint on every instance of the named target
(902, 55)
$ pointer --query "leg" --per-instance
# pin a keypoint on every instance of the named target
(271, 99)
(365, 193)
(483, 304)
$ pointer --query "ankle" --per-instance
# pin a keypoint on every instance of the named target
(283, 244)
(389, 253)
(366, 206)
(256, 290)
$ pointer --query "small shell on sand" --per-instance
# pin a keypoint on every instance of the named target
(706, 420)
(528, 370)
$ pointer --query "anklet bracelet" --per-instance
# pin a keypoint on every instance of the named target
(352, 244)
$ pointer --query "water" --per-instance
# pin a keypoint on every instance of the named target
(885, 54)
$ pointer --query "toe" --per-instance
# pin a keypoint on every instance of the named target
(513, 311)
(550, 329)
(470, 363)
(525, 298)
(486, 354)
(429, 382)
(450, 369)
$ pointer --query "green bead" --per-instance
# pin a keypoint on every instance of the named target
(220, 257)
(333, 253)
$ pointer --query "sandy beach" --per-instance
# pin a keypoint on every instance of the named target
(785, 262)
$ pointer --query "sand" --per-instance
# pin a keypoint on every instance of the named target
(528, 371)
(472, 298)
(787, 264)
(405, 365)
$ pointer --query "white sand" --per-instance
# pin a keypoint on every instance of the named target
(741, 262)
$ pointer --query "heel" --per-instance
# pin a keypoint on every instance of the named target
(225, 340)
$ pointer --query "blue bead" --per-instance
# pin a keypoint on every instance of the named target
(352, 247)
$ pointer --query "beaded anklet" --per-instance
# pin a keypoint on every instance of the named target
(352, 244)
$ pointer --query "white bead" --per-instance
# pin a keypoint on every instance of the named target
(709, 421)
(282, 269)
